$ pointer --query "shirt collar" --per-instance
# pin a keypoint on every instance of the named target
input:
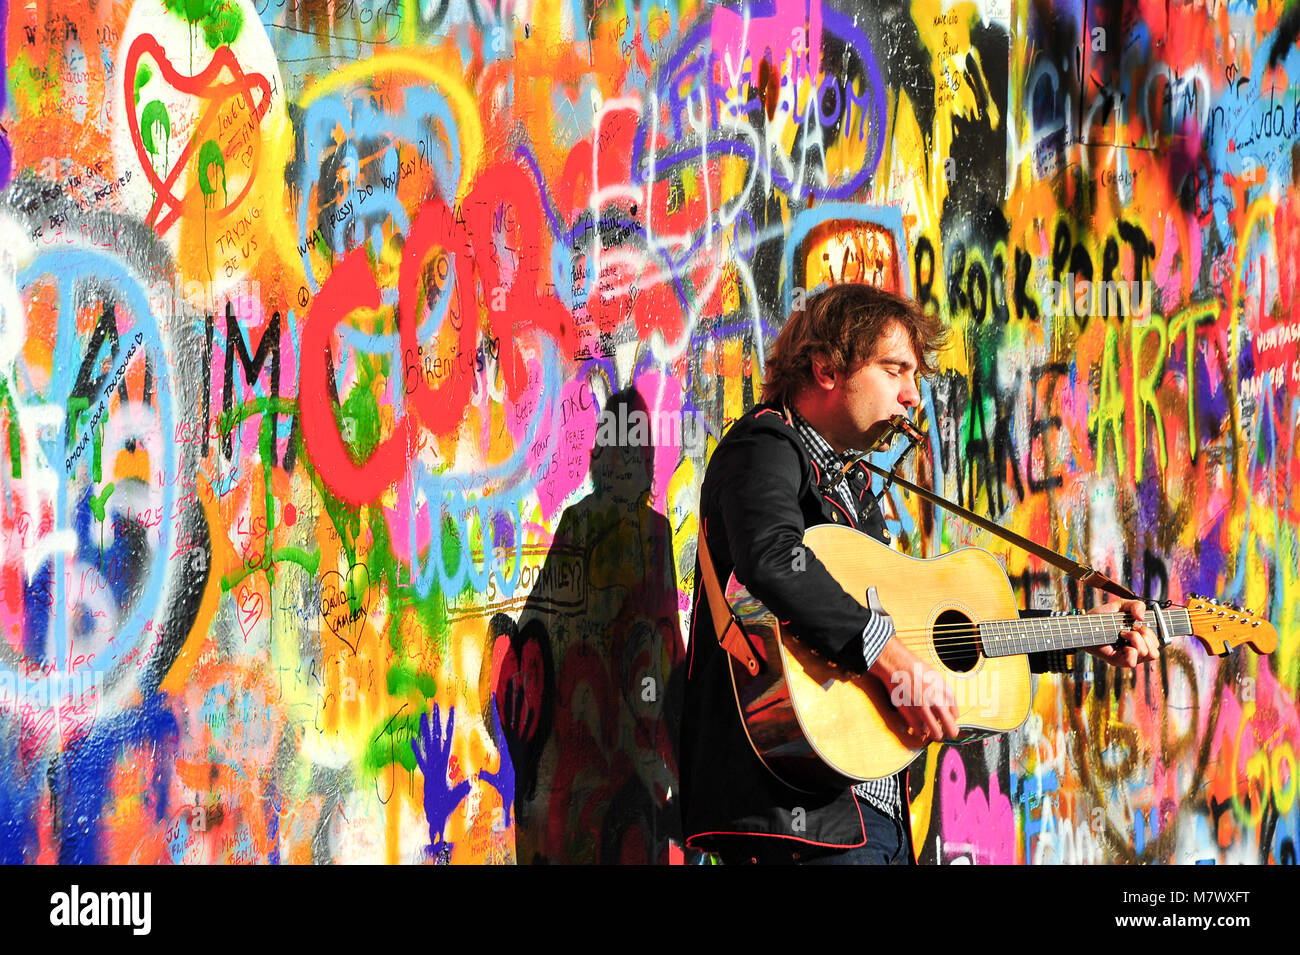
(818, 447)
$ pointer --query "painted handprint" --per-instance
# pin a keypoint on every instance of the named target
(503, 780)
(433, 754)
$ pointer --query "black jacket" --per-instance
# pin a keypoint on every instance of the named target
(760, 493)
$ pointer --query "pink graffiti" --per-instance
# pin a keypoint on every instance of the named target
(979, 827)
(400, 520)
(789, 26)
(664, 396)
(562, 458)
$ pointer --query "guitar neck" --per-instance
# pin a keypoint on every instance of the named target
(1004, 638)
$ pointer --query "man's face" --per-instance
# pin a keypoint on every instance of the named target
(863, 399)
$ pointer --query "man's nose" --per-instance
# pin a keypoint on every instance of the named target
(910, 396)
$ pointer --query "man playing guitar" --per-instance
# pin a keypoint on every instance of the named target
(839, 370)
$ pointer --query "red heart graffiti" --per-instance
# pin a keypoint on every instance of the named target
(250, 610)
(202, 85)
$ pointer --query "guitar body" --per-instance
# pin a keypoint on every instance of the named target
(816, 726)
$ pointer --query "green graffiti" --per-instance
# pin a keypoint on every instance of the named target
(402, 680)
(1144, 392)
(1106, 418)
(392, 744)
(292, 555)
(451, 546)
(15, 448)
(77, 406)
(268, 408)
(209, 157)
(34, 87)
(98, 503)
(359, 423)
(142, 76)
(224, 27)
(153, 117)
(97, 455)
(1186, 321)
(220, 20)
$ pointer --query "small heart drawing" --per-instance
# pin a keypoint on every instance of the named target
(250, 610)
(345, 603)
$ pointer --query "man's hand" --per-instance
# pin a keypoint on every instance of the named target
(919, 692)
(1142, 644)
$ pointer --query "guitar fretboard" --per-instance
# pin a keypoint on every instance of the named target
(1004, 638)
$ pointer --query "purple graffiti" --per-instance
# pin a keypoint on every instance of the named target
(503, 780)
(6, 151)
(433, 754)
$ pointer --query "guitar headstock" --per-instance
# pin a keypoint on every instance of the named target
(1222, 627)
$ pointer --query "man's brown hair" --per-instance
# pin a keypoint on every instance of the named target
(843, 324)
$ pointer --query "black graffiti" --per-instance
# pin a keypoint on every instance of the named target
(1072, 259)
(1039, 428)
(976, 288)
(923, 273)
(1026, 305)
(268, 346)
(103, 404)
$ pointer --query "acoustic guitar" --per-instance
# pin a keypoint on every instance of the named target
(816, 726)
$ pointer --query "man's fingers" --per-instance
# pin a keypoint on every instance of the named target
(1142, 636)
(916, 728)
(1106, 652)
(935, 723)
(1143, 642)
(923, 727)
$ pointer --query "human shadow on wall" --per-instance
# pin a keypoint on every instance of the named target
(584, 688)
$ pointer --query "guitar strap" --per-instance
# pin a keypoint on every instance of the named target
(731, 635)
(1080, 572)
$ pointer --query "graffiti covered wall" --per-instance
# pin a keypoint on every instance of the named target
(309, 310)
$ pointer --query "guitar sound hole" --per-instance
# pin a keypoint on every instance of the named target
(956, 641)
